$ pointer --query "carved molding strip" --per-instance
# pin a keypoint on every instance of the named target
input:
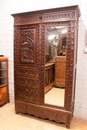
(57, 15)
(27, 18)
(46, 16)
(27, 72)
(27, 82)
(70, 64)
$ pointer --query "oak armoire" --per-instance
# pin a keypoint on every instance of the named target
(36, 43)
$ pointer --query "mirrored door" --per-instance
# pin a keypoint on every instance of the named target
(55, 64)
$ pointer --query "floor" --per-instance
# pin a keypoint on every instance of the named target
(11, 121)
(55, 96)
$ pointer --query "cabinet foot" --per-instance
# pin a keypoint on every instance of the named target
(68, 126)
(17, 112)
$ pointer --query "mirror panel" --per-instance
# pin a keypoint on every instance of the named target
(55, 65)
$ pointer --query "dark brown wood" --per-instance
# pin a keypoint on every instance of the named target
(4, 93)
(29, 61)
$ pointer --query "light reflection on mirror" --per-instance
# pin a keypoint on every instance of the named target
(55, 65)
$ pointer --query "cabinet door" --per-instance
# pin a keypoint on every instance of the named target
(29, 69)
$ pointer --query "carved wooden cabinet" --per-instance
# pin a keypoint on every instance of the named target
(29, 61)
(4, 94)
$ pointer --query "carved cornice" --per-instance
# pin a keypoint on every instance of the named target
(45, 16)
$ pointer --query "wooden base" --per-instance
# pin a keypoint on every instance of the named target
(44, 112)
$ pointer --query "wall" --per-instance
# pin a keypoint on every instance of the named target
(8, 7)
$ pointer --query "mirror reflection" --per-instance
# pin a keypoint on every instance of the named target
(55, 65)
